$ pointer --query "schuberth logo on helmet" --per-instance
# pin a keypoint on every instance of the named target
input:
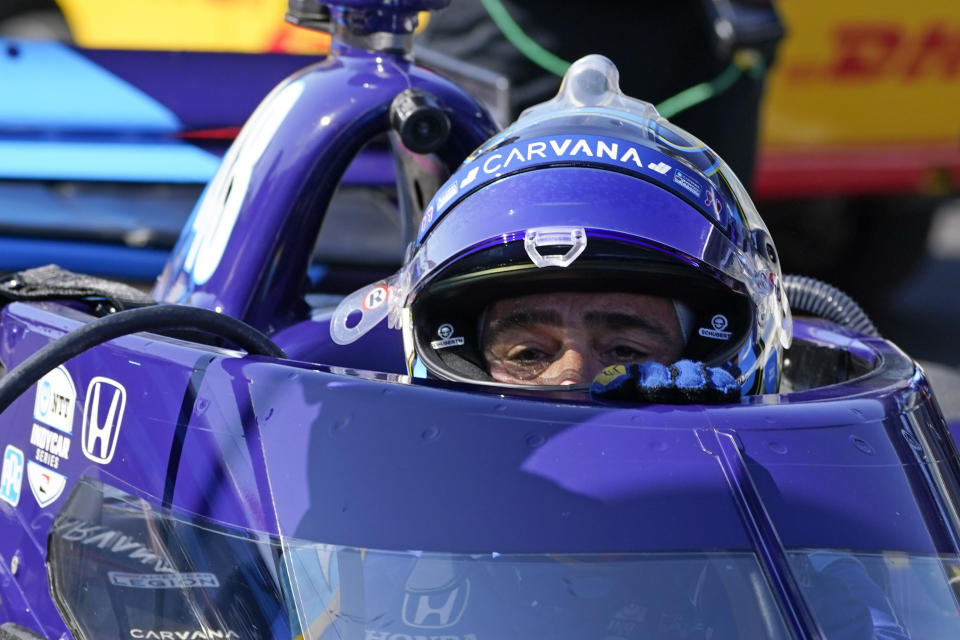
(719, 323)
(447, 339)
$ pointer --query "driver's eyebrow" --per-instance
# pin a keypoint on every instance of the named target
(621, 320)
(521, 319)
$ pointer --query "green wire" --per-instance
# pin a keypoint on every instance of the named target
(524, 43)
(699, 92)
(743, 60)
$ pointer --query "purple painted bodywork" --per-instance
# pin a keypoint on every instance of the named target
(352, 457)
(260, 276)
(363, 457)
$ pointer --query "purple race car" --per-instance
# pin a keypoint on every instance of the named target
(259, 456)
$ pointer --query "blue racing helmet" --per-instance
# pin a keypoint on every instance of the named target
(590, 191)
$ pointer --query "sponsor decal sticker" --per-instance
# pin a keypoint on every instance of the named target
(471, 176)
(51, 446)
(82, 532)
(447, 339)
(718, 324)
(447, 194)
(687, 182)
(375, 298)
(426, 219)
(55, 400)
(11, 477)
(197, 634)
(105, 401)
(436, 608)
(373, 634)
(660, 167)
(629, 620)
(445, 330)
(162, 580)
(712, 201)
(45, 484)
(594, 149)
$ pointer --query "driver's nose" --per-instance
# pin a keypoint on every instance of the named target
(574, 367)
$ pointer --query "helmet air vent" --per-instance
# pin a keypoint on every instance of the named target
(544, 244)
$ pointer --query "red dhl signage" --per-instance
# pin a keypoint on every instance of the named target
(879, 50)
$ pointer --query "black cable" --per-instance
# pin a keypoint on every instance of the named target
(155, 318)
(187, 407)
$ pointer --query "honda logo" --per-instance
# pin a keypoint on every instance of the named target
(436, 609)
(102, 415)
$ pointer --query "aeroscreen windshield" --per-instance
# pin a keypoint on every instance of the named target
(123, 568)
(344, 592)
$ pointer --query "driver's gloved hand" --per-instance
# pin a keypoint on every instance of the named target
(683, 382)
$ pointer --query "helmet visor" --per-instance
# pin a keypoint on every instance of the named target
(504, 211)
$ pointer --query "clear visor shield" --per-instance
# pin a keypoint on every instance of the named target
(652, 219)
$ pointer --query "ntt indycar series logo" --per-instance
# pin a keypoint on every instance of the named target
(596, 150)
(55, 400)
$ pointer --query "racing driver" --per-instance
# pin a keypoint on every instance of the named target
(591, 233)
(593, 244)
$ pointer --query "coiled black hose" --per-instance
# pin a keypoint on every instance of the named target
(153, 318)
(811, 296)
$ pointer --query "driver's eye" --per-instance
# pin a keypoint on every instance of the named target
(624, 353)
(526, 355)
